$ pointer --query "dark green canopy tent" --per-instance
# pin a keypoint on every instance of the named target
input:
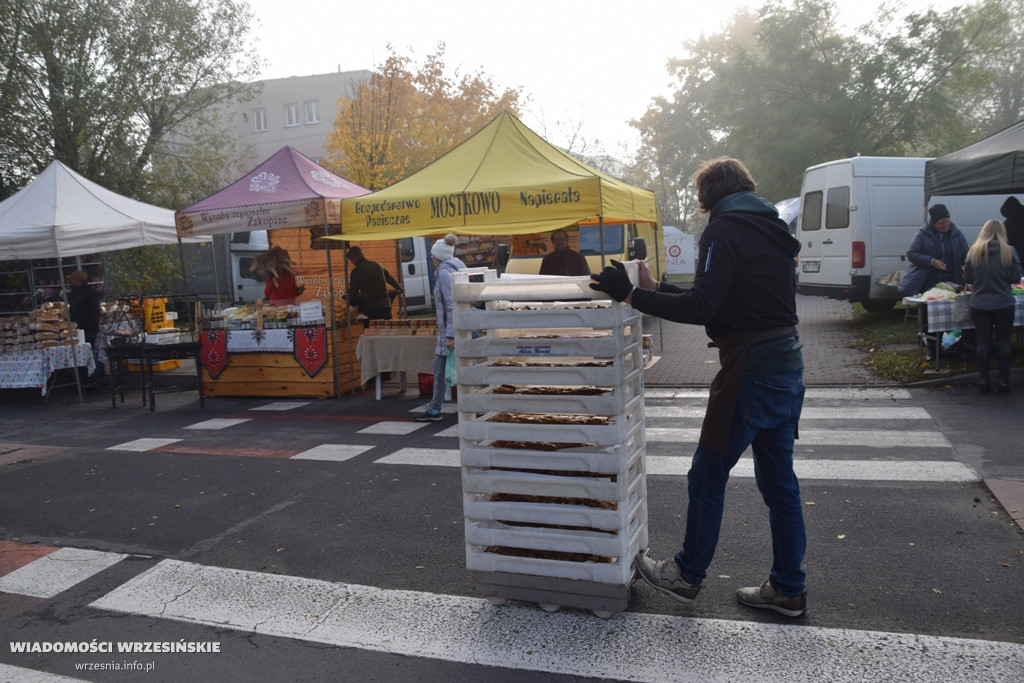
(994, 165)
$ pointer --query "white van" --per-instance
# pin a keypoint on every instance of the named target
(245, 246)
(858, 217)
(416, 274)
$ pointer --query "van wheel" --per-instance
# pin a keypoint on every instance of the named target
(878, 305)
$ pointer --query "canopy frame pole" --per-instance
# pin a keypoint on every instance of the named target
(67, 320)
(330, 296)
(600, 237)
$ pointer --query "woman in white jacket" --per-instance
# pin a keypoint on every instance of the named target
(443, 256)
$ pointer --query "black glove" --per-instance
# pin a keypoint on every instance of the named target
(613, 281)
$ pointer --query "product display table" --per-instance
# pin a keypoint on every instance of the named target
(395, 353)
(150, 355)
(36, 367)
(943, 315)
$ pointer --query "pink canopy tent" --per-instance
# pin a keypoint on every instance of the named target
(288, 190)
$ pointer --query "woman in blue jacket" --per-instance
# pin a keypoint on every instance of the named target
(936, 254)
(991, 269)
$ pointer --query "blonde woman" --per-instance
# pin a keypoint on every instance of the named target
(991, 267)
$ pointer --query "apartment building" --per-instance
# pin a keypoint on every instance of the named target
(298, 111)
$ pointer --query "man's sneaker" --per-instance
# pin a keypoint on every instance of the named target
(664, 576)
(429, 416)
(766, 597)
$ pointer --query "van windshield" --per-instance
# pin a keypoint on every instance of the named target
(590, 240)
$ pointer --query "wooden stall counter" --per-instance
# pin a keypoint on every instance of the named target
(295, 361)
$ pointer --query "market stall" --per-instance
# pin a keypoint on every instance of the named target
(60, 215)
(946, 315)
(265, 350)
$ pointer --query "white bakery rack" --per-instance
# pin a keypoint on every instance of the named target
(551, 436)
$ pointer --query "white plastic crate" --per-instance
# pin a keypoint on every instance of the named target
(479, 506)
(617, 572)
(559, 371)
(517, 482)
(613, 401)
(616, 317)
(607, 459)
(620, 431)
(605, 543)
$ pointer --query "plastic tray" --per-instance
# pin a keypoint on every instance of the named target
(605, 346)
(621, 431)
(607, 460)
(478, 507)
(613, 543)
(600, 487)
(615, 318)
(611, 403)
(617, 572)
(613, 374)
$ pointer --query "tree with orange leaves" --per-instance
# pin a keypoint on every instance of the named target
(400, 120)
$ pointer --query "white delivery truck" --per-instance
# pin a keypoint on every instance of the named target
(858, 217)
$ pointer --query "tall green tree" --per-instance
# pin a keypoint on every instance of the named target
(785, 88)
(103, 85)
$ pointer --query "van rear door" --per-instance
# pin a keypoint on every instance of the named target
(415, 273)
(825, 230)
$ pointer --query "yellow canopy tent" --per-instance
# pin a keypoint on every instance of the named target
(504, 180)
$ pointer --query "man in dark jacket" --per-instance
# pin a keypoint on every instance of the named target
(1013, 212)
(744, 295)
(368, 286)
(84, 311)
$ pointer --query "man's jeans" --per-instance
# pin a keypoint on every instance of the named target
(767, 410)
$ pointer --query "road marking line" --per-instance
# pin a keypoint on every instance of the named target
(53, 574)
(846, 470)
(515, 636)
(220, 423)
(864, 438)
(16, 673)
(282, 405)
(142, 445)
(332, 451)
(828, 393)
(392, 427)
(808, 413)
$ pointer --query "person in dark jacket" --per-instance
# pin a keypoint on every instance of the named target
(1013, 212)
(992, 267)
(563, 260)
(368, 286)
(744, 293)
(84, 311)
(936, 254)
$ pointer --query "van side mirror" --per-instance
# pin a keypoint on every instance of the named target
(502, 255)
(639, 250)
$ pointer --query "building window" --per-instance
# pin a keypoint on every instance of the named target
(291, 114)
(259, 120)
(312, 111)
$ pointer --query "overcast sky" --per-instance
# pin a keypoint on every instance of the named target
(595, 64)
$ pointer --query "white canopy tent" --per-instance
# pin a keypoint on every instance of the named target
(60, 214)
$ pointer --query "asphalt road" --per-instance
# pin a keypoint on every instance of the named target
(324, 541)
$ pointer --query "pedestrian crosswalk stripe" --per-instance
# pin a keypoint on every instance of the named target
(808, 413)
(332, 451)
(16, 673)
(142, 445)
(56, 572)
(812, 393)
(845, 470)
(392, 427)
(864, 438)
(281, 405)
(219, 423)
(472, 631)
